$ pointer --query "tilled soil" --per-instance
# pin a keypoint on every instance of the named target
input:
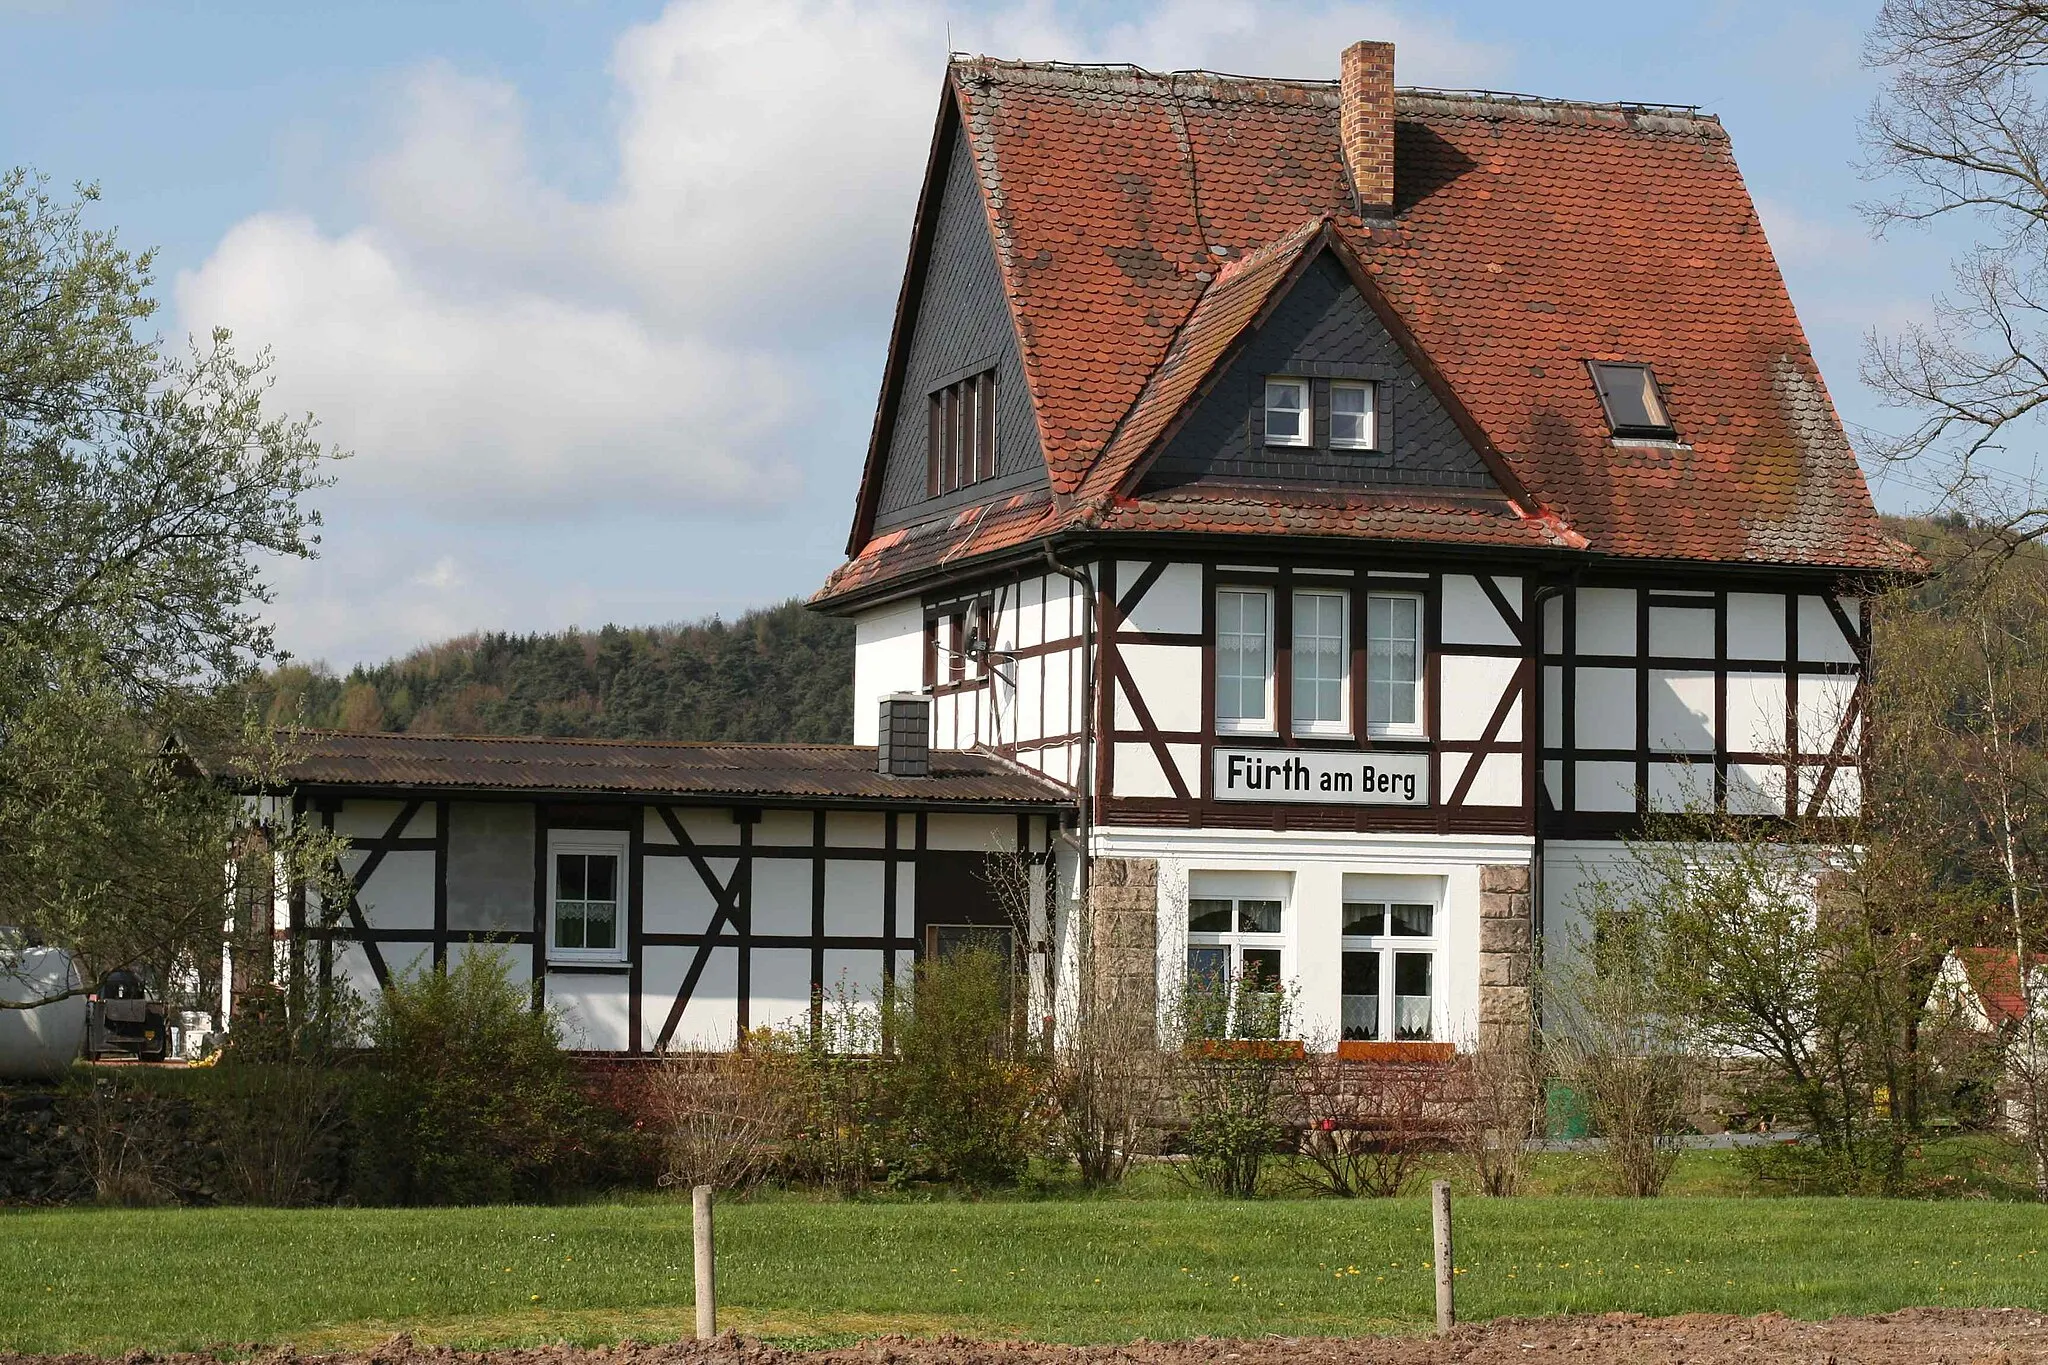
(1915, 1336)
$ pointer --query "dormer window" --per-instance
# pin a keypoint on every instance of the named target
(1353, 417)
(962, 435)
(1288, 414)
(1634, 403)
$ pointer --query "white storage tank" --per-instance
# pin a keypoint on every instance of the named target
(38, 1044)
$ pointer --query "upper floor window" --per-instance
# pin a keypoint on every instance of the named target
(1244, 660)
(1354, 417)
(1290, 420)
(962, 436)
(1634, 403)
(1393, 664)
(1321, 652)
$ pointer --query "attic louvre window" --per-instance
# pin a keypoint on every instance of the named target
(962, 444)
(1634, 403)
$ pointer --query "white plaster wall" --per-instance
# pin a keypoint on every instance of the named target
(1607, 621)
(1472, 688)
(595, 1011)
(1820, 635)
(1553, 707)
(399, 894)
(1169, 681)
(779, 988)
(1823, 706)
(1469, 616)
(372, 819)
(674, 899)
(853, 898)
(1681, 711)
(1683, 632)
(1756, 711)
(711, 1020)
(1756, 625)
(970, 833)
(781, 901)
(1605, 786)
(1171, 606)
(888, 656)
(1604, 708)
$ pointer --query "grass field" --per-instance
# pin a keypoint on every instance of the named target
(111, 1280)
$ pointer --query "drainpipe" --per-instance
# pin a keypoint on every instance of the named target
(1085, 787)
(1544, 592)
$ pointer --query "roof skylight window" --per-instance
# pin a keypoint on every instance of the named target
(1634, 403)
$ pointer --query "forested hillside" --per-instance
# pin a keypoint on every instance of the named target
(779, 673)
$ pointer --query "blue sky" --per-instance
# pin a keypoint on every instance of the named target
(597, 292)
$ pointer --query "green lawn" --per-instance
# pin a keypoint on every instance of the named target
(1079, 1270)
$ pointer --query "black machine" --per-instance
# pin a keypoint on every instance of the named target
(122, 1021)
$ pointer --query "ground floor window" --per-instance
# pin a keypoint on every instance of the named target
(1389, 971)
(1234, 966)
(586, 891)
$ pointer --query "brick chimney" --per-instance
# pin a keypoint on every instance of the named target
(1367, 121)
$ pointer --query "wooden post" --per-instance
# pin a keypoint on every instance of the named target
(1440, 1222)
(707, 1278)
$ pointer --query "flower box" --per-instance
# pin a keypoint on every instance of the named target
(1396, 1054)
(1248, 1049)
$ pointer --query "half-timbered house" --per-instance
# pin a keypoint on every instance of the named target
(1368, 502)
(662, 895)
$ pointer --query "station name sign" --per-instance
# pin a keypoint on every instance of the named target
(1377, 779)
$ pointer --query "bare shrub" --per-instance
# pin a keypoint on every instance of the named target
(1370, 1139)
(130, 1140)
(278, 1103)
(1109, 1079)
(725, 1117)
(1500, 1089)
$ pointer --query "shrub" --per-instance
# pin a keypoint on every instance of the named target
(1371, 1139)
(965, 1084)
(278, 1104)
(1504, 1091)
(470, 1099)
(1231, 1097)
(725, 1119)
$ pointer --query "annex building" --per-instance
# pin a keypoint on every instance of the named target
(1306, 523)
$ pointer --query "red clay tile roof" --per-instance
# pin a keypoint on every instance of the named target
(1529, 237)
(653, 768)
(1997, 984)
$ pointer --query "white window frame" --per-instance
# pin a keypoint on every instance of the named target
(1371, 439)
(1341, 726)
(1386, 943)
(1416, 729)
(1269, 724)
(614, 842)
(1307, 391)
(1236, 941)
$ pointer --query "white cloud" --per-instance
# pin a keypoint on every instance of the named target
(509, 403)
(493, 345)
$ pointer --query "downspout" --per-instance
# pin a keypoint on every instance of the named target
(1544, 592)
(1085, 786)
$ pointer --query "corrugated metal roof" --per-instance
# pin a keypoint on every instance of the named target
(832, 772)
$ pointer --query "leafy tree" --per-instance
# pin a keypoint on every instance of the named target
(142, 487)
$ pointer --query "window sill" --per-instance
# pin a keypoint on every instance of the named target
(593, 965)
(1334, 732)
(1397, 736)
(1226, 732)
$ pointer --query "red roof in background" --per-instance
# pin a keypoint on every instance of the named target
(1141, 220)
(1996, 980)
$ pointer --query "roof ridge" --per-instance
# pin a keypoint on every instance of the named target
(610, 741)
(1329, 86)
